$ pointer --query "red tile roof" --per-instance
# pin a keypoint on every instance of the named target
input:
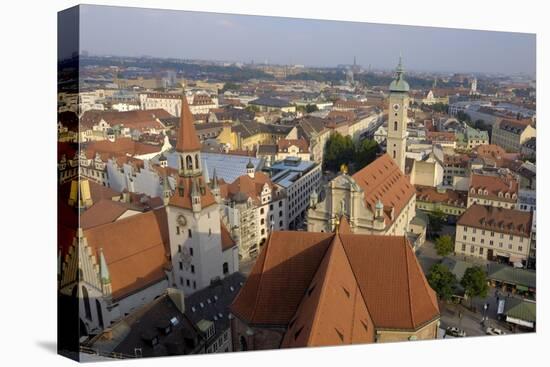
(501, 220)
(184, 201)
(121, 146)
(187, 139)
(497, 186)
(432, 195)
(383, 180)
(227, 241)
(322, 286)
(136, 250)
(284, 144)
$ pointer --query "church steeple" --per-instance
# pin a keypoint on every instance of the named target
(397, 117)
(188, 145)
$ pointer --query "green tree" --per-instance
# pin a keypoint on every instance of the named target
(474, 282)
(230, 86)
(442, 281)
(461, 116)
(338, 150)
(311, 108)
(366, 153)
(444, 245)
(436, 219)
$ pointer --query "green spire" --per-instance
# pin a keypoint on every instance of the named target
(399, 84)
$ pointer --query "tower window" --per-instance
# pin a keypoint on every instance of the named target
(189, 232)
(394, 156)
(189, 162)
(395, 125)
(196, 161)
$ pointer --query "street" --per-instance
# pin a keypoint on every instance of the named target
(457, 314)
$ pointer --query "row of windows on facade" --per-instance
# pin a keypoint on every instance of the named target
(262, 211)
(309, 181)
(481, 249)
(474, 230)
(442, 208)
(491, 243)
(190, 232)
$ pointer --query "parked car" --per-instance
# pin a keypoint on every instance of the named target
(494, 331)
(456, 332)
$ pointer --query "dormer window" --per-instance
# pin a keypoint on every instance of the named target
(507, 195)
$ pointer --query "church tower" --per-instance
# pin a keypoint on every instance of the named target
(397, 118)
(193, 215)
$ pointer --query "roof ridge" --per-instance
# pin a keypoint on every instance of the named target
(408, 281)
(257, 298)
(355, 276)
(322, 292)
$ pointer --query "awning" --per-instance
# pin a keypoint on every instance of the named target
(516, 321)
(503, 254)
(522, 288)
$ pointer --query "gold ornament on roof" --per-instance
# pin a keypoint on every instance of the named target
(344, 168)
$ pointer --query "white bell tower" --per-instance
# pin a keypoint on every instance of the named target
(397, 118)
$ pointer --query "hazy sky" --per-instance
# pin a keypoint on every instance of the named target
(192, 35)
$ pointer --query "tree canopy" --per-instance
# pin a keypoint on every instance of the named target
(442, 281)
(338, 150)
(366, 153)
(444, 245)
(436, 219)
(342, 150)
(474, 282)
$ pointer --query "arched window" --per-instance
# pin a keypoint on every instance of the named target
(395, 125)
(189, 162)
(197, 161)
(244, 344)
(99, 313)
(181, 163)
(225, 268)
(87, 309)
(394, 155)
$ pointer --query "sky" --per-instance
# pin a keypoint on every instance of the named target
(124, 31)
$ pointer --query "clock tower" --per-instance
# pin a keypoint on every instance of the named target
(397, 118)
(193, 217)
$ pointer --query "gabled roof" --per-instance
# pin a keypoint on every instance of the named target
(251, 187)
(500, 220)
(383, 180)
(121, 146)
(184, 201)
(332, 310)
(495, 185)
(227, 241)
(136, 249)
(187, 139)
(284, 144)
(302, 280)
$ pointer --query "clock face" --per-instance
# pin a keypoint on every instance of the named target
(181, 220)
(396, 107)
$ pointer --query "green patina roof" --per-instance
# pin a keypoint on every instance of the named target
(399, 84)
(521, 309)
(472, 133)
(510, 275)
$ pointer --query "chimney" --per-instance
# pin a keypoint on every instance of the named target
(176, 296)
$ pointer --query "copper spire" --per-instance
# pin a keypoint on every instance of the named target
(187, 135)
